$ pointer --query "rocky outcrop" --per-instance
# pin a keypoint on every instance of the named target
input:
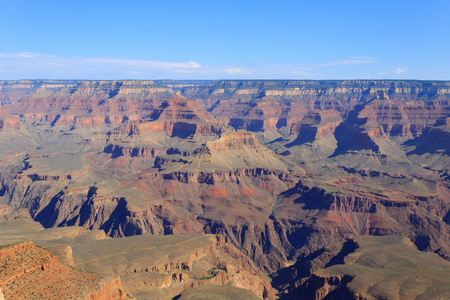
(9, 122)
(325, 217)
(260, 105)
(89, 103)
(144, 152)
(29, 271)
(176, 116)
(432, 141)
(234, 141)
(183, 118)
(13, 90)
(327, 89)
(366, 268)
(172, 264)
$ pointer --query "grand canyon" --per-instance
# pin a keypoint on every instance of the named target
(225, 189)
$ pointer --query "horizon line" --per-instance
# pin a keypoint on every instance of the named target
(255, 79)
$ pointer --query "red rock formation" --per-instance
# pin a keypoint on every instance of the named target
(14, 90)
(234, 141)
(90, 103)
(29, 271)
(404, 119)
(8, 122)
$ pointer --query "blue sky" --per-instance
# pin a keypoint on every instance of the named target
(349, 39)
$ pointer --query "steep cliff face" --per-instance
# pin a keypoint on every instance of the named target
(13, 90)
(89, 103)
(29, 271)
(431, 148)
(163, 266)
(173, 265)
(9, 122)
(182, 118)
(366, 268)
(159, 266)
(259, 105)
(323, 217)
(358, 90)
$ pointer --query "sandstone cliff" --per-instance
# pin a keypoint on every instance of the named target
(155, 266)
(29, 271)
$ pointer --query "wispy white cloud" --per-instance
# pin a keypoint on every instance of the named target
(36, 65)
(351, 61)
(40, 66)
(364, 57)
(140, 64)
(24, 55)
(396, 71)
(236, 71)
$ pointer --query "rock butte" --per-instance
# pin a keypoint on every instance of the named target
(279, 169)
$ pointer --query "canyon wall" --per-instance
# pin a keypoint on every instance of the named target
(279, 168)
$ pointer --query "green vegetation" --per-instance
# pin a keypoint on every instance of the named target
(211, 273)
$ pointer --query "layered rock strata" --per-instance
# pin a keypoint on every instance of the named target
(323, 161)
(367, 268)
(29, 271)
